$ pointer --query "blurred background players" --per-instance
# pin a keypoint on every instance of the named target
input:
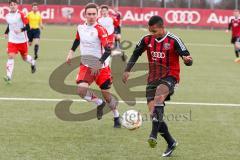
(117, 29)
(234, 26)
(117, 32)
(17, 39)
(111, 23)
(95, 51)
(35, 22)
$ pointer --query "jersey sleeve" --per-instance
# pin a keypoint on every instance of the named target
(141, 46)
(103, 35)
(118, 16)
(76, 42)
(7, 30)
(77, 36)
(24, 18)
(230, 25)
(40, 19)
(115, 22)
(28, 16)
(139, 49)
(180, 47)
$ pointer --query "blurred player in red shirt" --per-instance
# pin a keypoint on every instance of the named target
(17, 39)
(234, 26)
(117, 29)
(95, 51)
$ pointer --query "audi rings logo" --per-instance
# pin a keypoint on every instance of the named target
(3, 12)
(182, 17)
(157, 55)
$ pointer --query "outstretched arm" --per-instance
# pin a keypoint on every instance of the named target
(140, 48)
(7, 30)
(183, 52)
(103, 37)
(75, 45)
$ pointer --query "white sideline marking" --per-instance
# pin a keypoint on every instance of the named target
(138, 102)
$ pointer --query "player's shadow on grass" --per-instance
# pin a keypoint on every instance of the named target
(63, 112)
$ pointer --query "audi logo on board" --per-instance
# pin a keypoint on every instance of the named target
(182, 17)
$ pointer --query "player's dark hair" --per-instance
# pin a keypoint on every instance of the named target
(91, 5)
(13, 1)
(156, 20)
(34, 4)
(104, 7)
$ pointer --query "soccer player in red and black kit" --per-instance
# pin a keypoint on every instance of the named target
(163, 52)
(117, 29)
(234, 25)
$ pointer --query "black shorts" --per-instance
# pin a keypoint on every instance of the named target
(235, 39)
(33, 34)
(152, 86)
(117, 30)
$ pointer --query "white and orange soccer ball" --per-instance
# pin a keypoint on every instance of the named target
(131, 119)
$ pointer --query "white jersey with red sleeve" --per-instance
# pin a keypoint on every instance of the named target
(93, 39)
(109, 23)
(16, 21)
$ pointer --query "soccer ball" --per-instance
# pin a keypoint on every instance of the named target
(131, 119)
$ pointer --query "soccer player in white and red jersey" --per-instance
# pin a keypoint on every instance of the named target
(234, 26)
(95, 51)
(108, 22)
(17, 39)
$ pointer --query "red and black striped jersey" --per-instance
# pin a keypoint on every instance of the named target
(163, 55)
(234, 25)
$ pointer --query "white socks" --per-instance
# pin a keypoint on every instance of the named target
(90, 97)
(30, 60)
(10, 67)
(115, 113)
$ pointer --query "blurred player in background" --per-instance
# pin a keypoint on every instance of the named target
(35, 22)
(95, 51)
(234, 26)
(163, 51)
(117, 33)
(117, 29)
(17, 39)
(109, 23)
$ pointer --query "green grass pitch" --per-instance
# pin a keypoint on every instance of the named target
(30, 130)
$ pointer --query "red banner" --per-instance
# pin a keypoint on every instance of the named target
(134, 15)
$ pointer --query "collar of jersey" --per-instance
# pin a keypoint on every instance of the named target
(14, 12)
(91, 25)
(159, 41)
